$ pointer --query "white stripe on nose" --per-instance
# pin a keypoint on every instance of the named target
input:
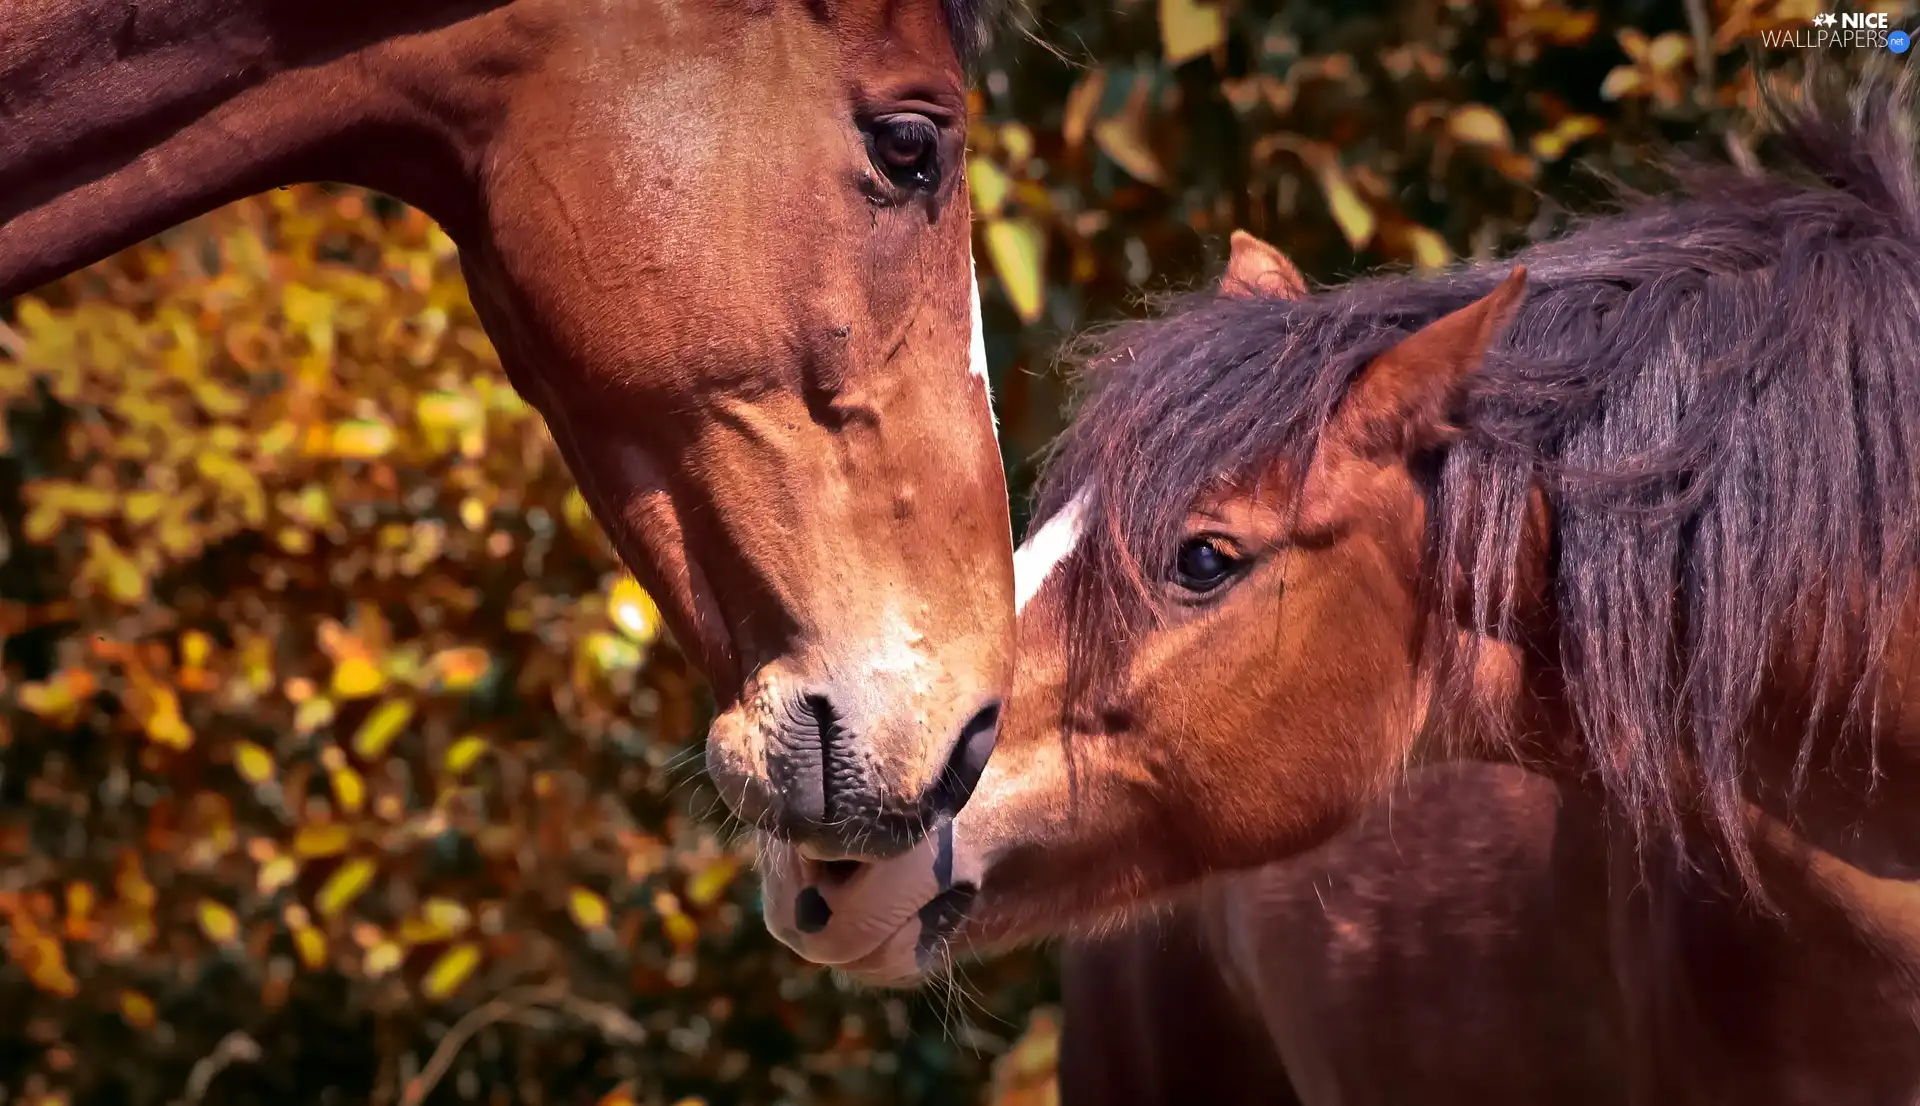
(979, 350)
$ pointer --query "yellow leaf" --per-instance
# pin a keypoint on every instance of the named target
(382, 725)
(1349, 210)
(277, 440)
(1480, 125)
(464, 753)
(356, 677)
(987, 186)
(473, 513)
(136, 1009)
(1669, 51)
(573, 507)
(1120, 138)
(451, 970)
(1429, 250)
(446, 411)
(45, 962)
(1624, 81)
(1189, 28)
(612, 654)
(141, 508)
(438, 920)
(43, 522)
(1017, 140)
(322, 839)
(313, 713)
(277, 873)
(131, 884)
(195, 648)
(164, 724)
(382, 958)
(121, 576)
(362, 439)
(349, 790)
(311, 944)
(681, 930)
(254, 763)
(633, 610)
(588, 909)
(51, 700)
(1082, 102)
(217, 922)
(705, 889)
(1018, 250)
(79, 907)
(1551, 145)
(344, 886)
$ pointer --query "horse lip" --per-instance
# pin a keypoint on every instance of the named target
(818, 855)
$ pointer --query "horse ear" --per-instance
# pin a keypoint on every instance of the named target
(1254, 268)
(1402, 402)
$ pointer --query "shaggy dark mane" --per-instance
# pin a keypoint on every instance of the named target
(971, 23)
(1719, 390)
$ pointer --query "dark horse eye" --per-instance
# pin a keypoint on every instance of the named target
(1201, 565)
(907, 148)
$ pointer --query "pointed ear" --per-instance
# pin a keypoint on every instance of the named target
(1256, 268)
(1402, 403)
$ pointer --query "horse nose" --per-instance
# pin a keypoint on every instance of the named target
(817, 771)
(955, 784)
(827, 799)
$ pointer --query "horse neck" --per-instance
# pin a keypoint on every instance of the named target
(1817, 988)
(124, 119)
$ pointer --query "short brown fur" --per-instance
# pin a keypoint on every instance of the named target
(1758, 948)
(724, 249)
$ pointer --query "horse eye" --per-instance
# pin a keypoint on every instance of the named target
(1201, 565)
(906, 147)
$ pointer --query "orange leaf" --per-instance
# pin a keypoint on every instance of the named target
(322, 839)
(1480, 125)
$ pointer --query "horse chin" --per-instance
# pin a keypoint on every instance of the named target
(899, 964)
(886, 924)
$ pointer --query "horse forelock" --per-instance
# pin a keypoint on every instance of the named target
(1715, 389)
(971, 24)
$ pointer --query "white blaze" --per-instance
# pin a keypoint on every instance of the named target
(978, 350)
(1044, 549)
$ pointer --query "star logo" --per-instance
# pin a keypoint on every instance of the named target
(1825, 19)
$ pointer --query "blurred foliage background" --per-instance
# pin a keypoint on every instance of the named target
(340, 763)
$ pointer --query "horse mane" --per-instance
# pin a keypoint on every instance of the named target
(1717, 389)
(970, 23)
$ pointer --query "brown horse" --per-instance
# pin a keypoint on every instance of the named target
(1453, 947)
(1640, 514)
(722, 245)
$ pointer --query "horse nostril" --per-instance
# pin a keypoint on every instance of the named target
(969, 758)
(821, 725)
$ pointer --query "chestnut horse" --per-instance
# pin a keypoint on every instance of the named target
(723, 246)
(1639, 514)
